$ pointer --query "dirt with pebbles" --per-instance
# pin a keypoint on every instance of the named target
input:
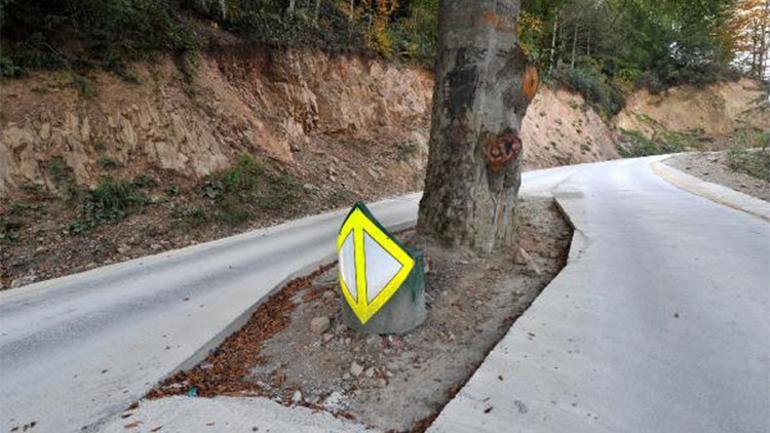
(714, 167)
(297, 351)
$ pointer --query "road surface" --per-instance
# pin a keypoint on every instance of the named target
(659, 323)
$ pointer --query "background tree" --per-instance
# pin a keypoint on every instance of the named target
(474, 164)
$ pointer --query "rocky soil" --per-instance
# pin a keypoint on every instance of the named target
(296, 349)
(714, 167)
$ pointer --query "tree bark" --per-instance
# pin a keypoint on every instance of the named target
(574, 45)
(553, 42)
(763, 44)
(474, 163)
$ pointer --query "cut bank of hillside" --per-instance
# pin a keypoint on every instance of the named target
(95, 169)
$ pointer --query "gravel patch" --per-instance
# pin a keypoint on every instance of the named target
(713, 167)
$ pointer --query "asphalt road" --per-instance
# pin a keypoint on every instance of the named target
(660, 322)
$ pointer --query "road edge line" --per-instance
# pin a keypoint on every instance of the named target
(717, 193)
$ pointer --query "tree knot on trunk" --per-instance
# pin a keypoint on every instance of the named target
(502, 150)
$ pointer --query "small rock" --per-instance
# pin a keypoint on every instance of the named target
(346, 376)
(319, 325)
(381, 383)
(123, 250)
(373, 340)
(155, 247)
(369, 372)
(521, 257)
(328, 337)
(23, 281)
(334, 402)
(356, 369)
(297, 397)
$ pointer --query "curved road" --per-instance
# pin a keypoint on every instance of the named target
(660, 322)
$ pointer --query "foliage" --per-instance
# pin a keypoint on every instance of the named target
(755, 163)
(107, 163)
(111, 200)
(638, 145)
(751, 153)
(653, 44)
(84, 33)
(602, 48)
(9, 229)
(248, 187)
(62, 176)
(594, 86)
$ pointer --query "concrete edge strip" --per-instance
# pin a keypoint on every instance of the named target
(714, 192)
(578, 245)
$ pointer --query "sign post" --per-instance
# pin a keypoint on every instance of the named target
(382, 281)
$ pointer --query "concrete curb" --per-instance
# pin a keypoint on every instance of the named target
(454, 417)
(712, 191)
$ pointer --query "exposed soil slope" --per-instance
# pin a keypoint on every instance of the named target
(714, 112)
(238, 101)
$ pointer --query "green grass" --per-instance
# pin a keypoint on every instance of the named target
(63, 177)
(112, 200)
(9, 229)
(663, 142)
(755, 163)
(247, 188)
(107, 163)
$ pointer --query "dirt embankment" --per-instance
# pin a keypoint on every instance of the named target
(278, 105)
(283, 104)
(713, 113)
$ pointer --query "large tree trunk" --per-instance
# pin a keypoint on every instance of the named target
(474, 165)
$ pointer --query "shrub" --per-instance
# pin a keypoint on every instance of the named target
(9, 229)
(755, 163)
(594, 87)
(107, 163)
(663, 142)
(111, 200)
(84, 33)
(249, 187)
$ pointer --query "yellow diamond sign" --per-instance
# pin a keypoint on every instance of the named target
(372, 265)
